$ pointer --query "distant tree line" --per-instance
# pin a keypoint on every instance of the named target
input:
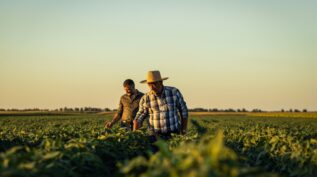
(95, 110)
(240, 110)
(64, 109)
(293, 110)
(223, 110)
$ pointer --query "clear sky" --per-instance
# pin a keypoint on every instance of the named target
(223, 54)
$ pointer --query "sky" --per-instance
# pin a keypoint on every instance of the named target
(219, 54)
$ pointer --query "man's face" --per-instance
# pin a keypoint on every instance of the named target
(129, 89)
(156, 86)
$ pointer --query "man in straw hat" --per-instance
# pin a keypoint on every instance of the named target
(128, 106)
(162, 104)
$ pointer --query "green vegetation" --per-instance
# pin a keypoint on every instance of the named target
(215, 145)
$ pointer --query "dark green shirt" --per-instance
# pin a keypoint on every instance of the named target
(129, 106)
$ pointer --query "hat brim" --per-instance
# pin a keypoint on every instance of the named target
(145, 81)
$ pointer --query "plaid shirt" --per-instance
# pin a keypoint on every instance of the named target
(162, 110)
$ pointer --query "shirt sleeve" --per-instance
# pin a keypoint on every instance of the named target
(143, 111)
(181, 105)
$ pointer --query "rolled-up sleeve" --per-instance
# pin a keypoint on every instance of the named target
(181, 105)
(143, 111)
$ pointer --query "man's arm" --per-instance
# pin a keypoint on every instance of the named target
(184, 125)
(116, 117)
(182, 108)
(141, 115)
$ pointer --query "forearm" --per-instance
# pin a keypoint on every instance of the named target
(184, 122)
(142, 113)
(135, 125)
(118, 114)
(115, 118)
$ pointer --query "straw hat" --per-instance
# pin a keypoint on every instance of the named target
(153, 76)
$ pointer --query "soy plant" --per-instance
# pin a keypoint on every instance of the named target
(207, 157)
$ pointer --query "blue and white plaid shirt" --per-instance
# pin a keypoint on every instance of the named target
(163, 110)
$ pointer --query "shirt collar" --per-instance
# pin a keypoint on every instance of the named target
(134, 95)
(137, 92)
(153, 93)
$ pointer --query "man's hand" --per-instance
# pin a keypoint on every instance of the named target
(108, 124)
(183, 131)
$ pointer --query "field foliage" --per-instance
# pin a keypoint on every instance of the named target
(215, 145)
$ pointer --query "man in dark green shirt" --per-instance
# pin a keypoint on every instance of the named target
(128, 106)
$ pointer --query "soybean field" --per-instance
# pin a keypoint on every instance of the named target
(216, 144)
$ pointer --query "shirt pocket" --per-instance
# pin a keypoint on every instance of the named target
(163, 108)
(171, 106)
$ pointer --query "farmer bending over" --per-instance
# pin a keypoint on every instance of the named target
(128, 106)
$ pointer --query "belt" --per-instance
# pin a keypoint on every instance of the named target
(126, 122)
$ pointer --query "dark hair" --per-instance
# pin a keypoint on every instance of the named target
(128, 82)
